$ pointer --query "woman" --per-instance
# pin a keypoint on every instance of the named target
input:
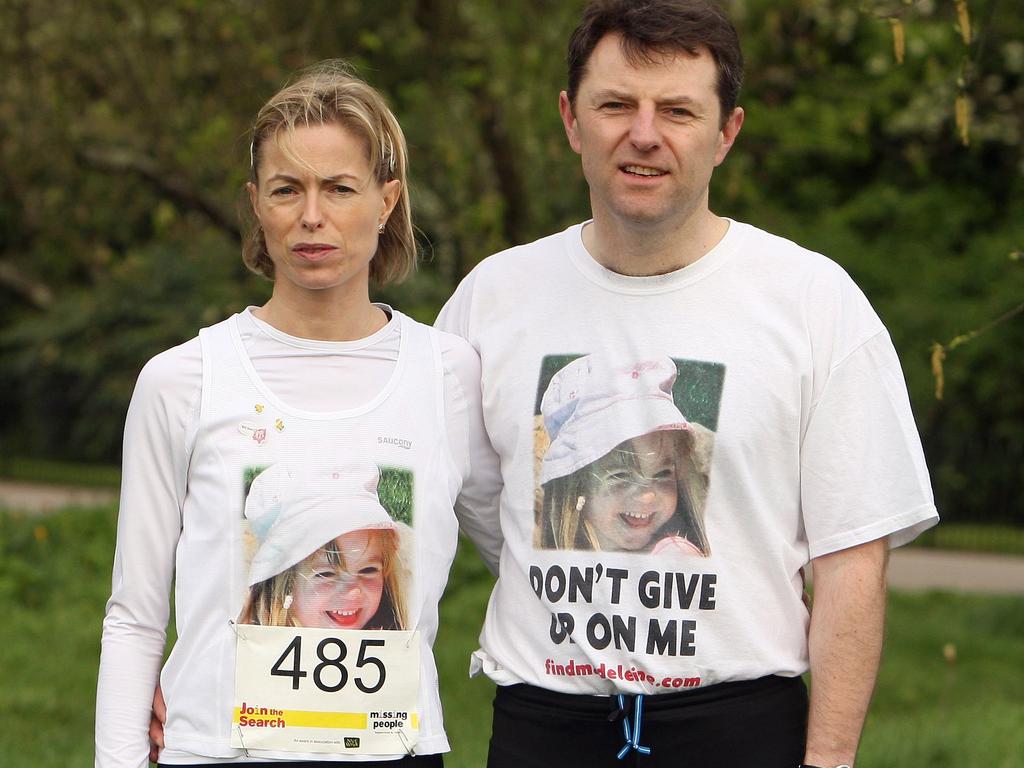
(318, 371)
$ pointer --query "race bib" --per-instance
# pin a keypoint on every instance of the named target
(322, 690)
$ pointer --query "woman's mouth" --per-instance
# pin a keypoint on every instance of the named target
(313, 251)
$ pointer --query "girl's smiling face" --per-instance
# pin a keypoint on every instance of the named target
(340, 585)
(631, 492)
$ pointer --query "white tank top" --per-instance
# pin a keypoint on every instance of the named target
(243, 429)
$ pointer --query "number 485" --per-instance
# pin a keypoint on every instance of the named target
(334, 661)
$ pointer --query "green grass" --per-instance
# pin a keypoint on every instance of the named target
(951, 687)
(1002, 539)
(60, 472)
(54, 580)
(467, 703)
(55, 575)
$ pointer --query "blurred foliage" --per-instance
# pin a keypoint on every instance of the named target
(974, 537)
(395, 491)
(123, 148)
(55, 472)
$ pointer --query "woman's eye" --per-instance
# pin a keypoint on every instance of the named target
(282, 191)
(665, 475)
(341, 189)
(370, 570)
(324, 574)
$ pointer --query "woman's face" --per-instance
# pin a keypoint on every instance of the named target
(631, 492)
(330, 595)
(320, 208)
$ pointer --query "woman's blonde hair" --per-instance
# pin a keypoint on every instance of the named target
(267, 604)
(563, 524)
(329, 93)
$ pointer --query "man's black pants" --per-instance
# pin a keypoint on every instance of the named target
(751, 724)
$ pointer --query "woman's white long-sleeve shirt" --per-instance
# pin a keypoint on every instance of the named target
(160, 436)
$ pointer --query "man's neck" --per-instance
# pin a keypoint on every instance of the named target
(650, 249)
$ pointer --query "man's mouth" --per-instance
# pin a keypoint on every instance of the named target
(642, 170)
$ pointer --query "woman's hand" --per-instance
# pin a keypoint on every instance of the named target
(156, 725)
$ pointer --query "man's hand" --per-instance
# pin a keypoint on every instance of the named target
(845, 642)
(156, 725)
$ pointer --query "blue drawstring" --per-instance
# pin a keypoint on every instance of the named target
(632, 740)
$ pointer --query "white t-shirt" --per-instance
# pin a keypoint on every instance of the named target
(357, 398)
(752, 401)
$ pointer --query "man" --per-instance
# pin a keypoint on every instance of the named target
(688, 410)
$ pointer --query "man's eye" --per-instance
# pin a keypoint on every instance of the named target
(613, 105)
(680, 112)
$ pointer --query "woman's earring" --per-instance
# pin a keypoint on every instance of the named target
(380, 229)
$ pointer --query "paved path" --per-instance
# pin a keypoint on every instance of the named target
(910, 568)
(35, 498)
(915, 568)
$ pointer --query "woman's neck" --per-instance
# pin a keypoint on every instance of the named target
(323, 318)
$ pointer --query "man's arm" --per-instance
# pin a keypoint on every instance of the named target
(845, 642)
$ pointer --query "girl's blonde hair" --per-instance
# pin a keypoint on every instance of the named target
(266, 603)
(563, 524)
(329, 93)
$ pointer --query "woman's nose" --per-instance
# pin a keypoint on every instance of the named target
(312, 214)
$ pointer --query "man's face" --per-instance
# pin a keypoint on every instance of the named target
(649, 135)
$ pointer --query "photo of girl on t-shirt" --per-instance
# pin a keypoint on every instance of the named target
(621, 470)
(354, 577)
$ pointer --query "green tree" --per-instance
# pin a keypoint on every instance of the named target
(123, 147)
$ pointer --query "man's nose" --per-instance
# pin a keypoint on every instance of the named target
(643, 131)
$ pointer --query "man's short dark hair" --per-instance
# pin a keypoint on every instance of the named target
(654, 28)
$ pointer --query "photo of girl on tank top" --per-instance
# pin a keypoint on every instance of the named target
(329, 555)
(619, 467)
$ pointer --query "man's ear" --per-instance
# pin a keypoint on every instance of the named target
(728, 134)
(565, 109)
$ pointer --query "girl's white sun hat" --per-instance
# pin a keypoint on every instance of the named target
(593, 404)
(295, 511)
